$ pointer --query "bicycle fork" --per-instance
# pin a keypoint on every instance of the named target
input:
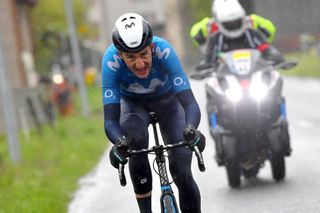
(167, 200)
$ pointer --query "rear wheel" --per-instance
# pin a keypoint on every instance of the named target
(232, 161)
(277, 159)
(278, 166)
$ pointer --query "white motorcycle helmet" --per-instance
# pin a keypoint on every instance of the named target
(131, 33)
(230, 17)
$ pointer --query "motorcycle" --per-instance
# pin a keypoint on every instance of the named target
(247, 114)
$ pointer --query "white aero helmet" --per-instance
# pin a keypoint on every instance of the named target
(131, 33)
(230, 17)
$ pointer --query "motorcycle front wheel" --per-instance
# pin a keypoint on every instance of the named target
(232, 161)
(277, 158)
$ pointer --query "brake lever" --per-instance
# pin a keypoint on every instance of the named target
(122, 176)
(201, 165)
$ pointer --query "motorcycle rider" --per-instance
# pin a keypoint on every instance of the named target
(142, 73)
(233, 32)
(201, 30)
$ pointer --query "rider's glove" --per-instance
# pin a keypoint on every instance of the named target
(272, 54)
(118, 152)
(194, 137)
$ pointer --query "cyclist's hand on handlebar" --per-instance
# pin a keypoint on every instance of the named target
(194, 137)
(118, 152)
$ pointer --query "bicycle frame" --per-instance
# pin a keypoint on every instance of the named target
(167, 199)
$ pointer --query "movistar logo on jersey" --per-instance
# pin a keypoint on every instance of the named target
(145, 89)
(114, 65)
(160, 54)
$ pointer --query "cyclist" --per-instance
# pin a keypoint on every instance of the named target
(202, 29)
(142, 73)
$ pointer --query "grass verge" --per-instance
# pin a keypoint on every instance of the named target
(308, 64)
(52, 162)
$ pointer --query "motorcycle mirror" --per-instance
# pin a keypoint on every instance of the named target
(199, 75)
(196, 76)
(287, 65)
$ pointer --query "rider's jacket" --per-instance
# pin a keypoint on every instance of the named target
(199, 31)
(166, 76)
(217, 43)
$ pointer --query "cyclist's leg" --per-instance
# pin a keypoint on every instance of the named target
(171, 118)
(189, 194)
(134, 122)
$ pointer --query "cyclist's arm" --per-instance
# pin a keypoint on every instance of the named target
(111, 95)
(190, 106)
(171, 64)
(111, 121)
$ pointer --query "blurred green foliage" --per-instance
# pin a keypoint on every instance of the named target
(308, 64)
(49, 18)
(200, 9)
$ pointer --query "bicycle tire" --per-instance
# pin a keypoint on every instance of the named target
(169, 204)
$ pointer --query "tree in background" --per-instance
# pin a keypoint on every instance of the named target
(200, 9)
(50, 30)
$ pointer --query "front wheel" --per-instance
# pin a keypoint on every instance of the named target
(277, 158)
(168, 204)
(278, 166)
(232, 161)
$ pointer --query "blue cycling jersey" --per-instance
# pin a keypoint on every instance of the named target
(166, 74)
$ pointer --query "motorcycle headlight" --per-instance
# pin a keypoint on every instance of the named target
(234, 91)
(259, 86)
(233, 94)
(258, 91)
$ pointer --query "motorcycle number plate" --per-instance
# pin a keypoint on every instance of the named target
(242, 62)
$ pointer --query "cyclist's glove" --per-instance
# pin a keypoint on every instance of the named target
(118, 152)
(194, 137)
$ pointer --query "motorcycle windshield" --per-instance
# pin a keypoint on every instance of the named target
(242, 62)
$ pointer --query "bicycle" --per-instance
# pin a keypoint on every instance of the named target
(167, 199)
